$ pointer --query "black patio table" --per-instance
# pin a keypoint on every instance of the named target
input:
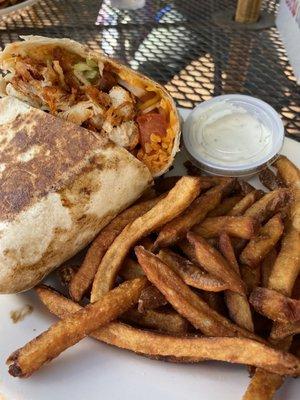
(179, 43)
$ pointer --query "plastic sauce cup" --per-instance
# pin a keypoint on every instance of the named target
(233, 135)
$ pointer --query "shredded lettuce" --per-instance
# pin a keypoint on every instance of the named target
(89, 69)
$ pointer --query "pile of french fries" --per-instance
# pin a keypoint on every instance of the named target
(204, 268)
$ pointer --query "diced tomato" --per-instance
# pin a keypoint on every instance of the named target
(151, 124)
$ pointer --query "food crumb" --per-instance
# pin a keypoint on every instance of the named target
(20, 314)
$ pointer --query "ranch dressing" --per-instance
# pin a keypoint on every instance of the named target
(230, 135)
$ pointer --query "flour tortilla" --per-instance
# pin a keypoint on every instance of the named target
(57, 191)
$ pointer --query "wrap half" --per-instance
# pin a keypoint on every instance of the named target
(60, 184)
(67, 79)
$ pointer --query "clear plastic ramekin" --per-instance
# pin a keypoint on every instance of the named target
(260, 110)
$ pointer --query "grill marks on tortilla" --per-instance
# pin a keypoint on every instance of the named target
(58, 150)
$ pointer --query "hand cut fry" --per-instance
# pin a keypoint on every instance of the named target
(250, 276)
(215, 301)
(270, 180)
(246, 202)
(242, 227)
(245, 187)
(283, 330)
(194, 214)
(287, 264)
(267, 267)
(73, 328)
(212, 261)
(269, 205)
(150, 299)
(83, 279)
(287, 171)
(291, 177)
(258, 247)
(185, 301)
(190, 273)
(193, 349)
(238, 305)
(225, 207)
(168, 322)
(177, 200)
(66, 273)
(274, 305)
(282, 279)
(130, 269)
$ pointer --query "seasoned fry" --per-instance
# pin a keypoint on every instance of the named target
(185, 301)
(193, 349)
(282, 279)
(225, 207)
(238, 305)
(288, 171)
(177, 200)
(258, 247)
(168, 322)
(215, 301)
(245, 187)
(212, 261)
(251, 276)
(283, 330)
(150, 299)
(194, 214)
(246, 202)
(274, 305)
(190, 273)
(73, 328)
(267, 266)
(131, 269)
(290, 174)
(269, 204)
(287, 264)
(83, 279)
(242, 227)
(270, 180)
(66, 274)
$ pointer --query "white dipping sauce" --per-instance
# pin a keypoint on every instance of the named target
(228, 134)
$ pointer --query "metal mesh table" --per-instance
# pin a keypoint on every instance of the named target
(177, 43)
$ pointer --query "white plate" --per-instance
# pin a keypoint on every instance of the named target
(92, 370)
(16, 7)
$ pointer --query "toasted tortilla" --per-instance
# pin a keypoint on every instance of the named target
(38, 48)
(57, 191)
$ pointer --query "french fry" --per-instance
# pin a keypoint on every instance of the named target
(267, 237)
(130, 269)
(287, 265)
(164, 184)
(245, 187)
(168, 322)
(215, 301)
(225, 207)
(241, 227)
(69, 331)
(269, 205)
(246, 202)
(238, 305)
(290, 174)
(185, 301)
(66, 273)
(288, 171)
(192, 349)
(250, 276)
(274, 305)
(283, 330)
(213, 262)
(84, 277)
(267, 266)
(150, 299)
(176, 201)
(270, 180)
(194, 214)
(282, 279)
(190, 273)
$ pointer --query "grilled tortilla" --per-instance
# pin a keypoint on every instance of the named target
(66, 79)
(60, 184)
